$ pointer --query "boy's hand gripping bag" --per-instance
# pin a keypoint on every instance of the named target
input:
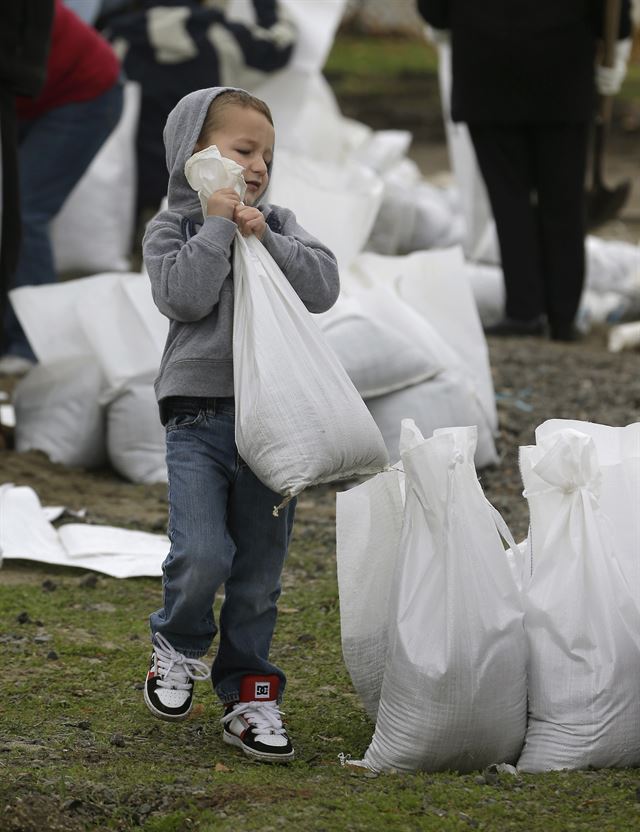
(299, 419)
(453, 694)
(582, 624)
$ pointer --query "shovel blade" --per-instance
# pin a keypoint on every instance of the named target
(604, 204)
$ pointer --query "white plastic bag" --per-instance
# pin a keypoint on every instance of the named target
(582, 624)
(378, 358)
(299, 419)
(454, 688)
(368, 527)
(135, 436)
(59, 412)
(94, 230)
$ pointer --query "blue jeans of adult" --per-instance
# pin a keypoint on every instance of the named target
(54, 152)
(222, 533)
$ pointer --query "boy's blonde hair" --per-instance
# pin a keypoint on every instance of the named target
(230, 98)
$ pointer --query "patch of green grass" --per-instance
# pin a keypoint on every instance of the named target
(381, 57)
(79, 750)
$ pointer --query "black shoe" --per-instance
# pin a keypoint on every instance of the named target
(565, 332)
(254, 724)
(168, 688)
(513, 326)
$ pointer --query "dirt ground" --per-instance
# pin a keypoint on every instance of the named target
(534, 379)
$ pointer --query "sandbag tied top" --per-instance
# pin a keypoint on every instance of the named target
(454, 689)
(582, 624)
(207, 171)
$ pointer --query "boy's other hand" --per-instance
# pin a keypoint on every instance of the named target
(250, 221)
(223, 203)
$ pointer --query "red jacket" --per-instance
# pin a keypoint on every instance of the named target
(81, 66)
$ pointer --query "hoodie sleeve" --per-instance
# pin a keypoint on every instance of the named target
(308, 265)
(187, 276)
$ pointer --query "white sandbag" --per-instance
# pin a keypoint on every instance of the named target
(435, 285)
(94, 230)
(618, 454)
(444, 401)
(613, 265)
(368, 527)
(59, 412)
(307, 425)
(378, 359)
(476, 210)
(582, 624)
(135, 435)
(454, 689)
(337, 203)
(48, 314)
(124, 328)
(487, 285)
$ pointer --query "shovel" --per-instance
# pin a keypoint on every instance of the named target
(604, 203)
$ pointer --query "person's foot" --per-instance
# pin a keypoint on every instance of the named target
(254, 724)
(15, 365)
(168, 688)
(565, 332)
(514, 326)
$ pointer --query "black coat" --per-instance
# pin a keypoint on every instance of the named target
(520, 61)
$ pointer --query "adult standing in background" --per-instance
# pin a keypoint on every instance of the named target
(173, 47)
(523, 76)
(60, 132)
(25, 31)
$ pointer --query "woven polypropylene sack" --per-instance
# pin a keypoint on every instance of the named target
(299, 419)
(582, 625)
(454, 689)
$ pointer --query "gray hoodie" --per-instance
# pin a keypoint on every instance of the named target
(192, 280)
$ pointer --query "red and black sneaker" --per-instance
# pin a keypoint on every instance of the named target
(254, 724)
(168, 689)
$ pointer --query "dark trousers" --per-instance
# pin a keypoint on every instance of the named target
(535, 175)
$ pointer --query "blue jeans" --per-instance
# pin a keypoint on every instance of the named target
(54, 152)
(222, 532)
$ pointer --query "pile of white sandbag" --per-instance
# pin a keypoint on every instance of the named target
(90, 398)
(447, 636)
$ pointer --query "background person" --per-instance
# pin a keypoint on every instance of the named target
(172, 47)
(25, 32)
(523, 81)
(60, 132)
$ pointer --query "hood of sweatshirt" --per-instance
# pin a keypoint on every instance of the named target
(181, 132)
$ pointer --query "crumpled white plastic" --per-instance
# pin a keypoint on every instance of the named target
(208, 171)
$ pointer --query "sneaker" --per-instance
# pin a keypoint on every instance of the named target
(15, 365)
(168, 689)
(254, 724)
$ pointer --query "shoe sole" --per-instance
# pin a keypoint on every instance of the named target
(262, 756)
(161, 714)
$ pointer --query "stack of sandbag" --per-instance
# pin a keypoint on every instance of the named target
(90, 398)
(431, 613)
(425, 298)
(582, 601)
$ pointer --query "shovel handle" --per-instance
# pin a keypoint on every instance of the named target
(611, 25)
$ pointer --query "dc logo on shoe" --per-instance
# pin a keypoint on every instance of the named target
(263, 690)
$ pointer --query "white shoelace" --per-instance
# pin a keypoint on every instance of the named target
(264, 717)
(177, 671)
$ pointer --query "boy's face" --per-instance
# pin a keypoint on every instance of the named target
(247, 137)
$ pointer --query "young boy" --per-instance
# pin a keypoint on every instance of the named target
(221, 526)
